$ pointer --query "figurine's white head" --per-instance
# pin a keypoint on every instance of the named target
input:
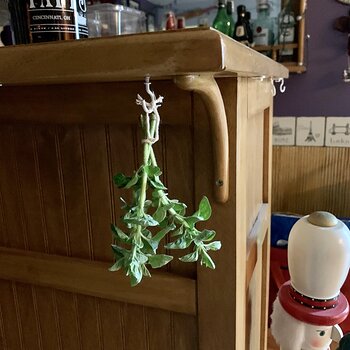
(292, 334)
(316, 337)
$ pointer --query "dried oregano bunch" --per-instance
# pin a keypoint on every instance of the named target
(136, 247)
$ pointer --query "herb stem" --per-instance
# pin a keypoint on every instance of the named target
(147, 151)
(164, 198)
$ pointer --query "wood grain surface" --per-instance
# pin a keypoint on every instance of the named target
(131, 57)
(164, 291)
(57, 200)
(307, 179)
(57, 197)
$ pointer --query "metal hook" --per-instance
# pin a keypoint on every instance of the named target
(273, 88)
(282, 86)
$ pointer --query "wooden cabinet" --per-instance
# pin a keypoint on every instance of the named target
(297, 63)
(68, 122)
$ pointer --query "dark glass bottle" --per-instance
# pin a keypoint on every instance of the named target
(51, 20)
(241, 32)
(249, 28)
(221, 21)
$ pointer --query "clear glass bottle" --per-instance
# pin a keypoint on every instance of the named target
(221, 21)
(264, 25)
(230, 8)
(286, 35)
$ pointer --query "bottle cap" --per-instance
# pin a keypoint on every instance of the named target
(241, 9)
(222, 2)
(181, 22)
(263, 4)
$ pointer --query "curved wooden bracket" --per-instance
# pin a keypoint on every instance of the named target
(208, 89)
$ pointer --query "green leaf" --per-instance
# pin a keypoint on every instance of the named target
(135, 273)
(190, 257)
(145, 220)
(203, 213)
(192, 220)
(119, 252)
(157, 184)
(155, 195)
(204, 236)
(149, 247)
(148, 203)
(213, 246)
(118, 265)
(160, 214)
(141, 258)
(178, 232)
(181, 243)
(160, 260)
(206, 260)
(154, 242)
(204, 209)
(119, 235)
(146, 233)
(150, 221)
(145, 271)
(152, 171)
(133, 181)
(121, 180)
(180, 208)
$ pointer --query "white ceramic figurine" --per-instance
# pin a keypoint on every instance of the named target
(309, 307)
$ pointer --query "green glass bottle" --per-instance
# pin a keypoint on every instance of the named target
(230, 8)
(222, 21)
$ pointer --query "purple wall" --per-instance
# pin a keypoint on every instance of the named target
(320, 91)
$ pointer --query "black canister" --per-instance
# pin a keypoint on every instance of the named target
(36, 21)
(51, 20)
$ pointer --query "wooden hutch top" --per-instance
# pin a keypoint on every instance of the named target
(160, 54)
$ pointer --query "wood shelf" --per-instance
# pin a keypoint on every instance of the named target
(261, 48)
(162, 55)
(293, 67)
(298, 65)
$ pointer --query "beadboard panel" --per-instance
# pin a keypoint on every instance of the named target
(38, 323)
(57, 197)
(306, 179)
(56, 187)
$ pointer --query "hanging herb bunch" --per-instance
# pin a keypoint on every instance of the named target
(135, 247)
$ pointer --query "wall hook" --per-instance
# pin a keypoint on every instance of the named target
(282, 86)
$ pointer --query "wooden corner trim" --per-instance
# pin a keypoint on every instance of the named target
(208, 89)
